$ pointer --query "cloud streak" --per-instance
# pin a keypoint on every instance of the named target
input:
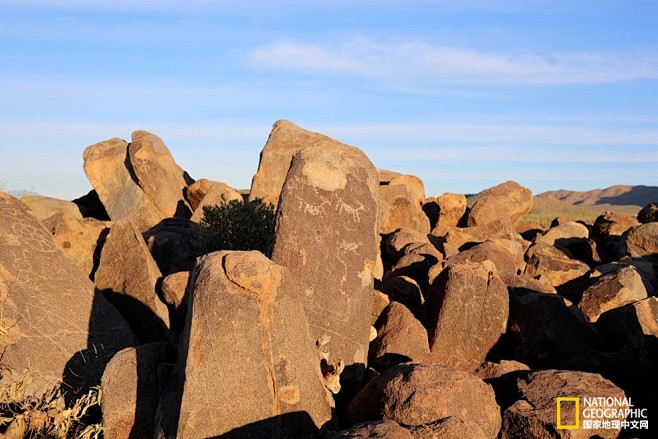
(419, 61)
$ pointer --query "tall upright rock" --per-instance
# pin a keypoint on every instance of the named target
(128, 275)
(53, 321)
(249, 367)
(326, 235)
(139, 180)
(285, 140)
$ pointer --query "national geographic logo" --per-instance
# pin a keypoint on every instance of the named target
(599, 412)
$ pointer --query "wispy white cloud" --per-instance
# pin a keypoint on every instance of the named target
(419, 61)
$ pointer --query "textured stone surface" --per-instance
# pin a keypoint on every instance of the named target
(641, 241)
(452, 208)
(284, 141)
(246, 352)
(564, 235)
(128, 276)
(217, 194)
(612, 291)
(415, 394)
(161, 179)
(54, 322)
(534, 415)
(400, 337)
(506, 262)
(375, 430)
(612, 225)
(79, 239)
(457, 236)
(326, 235)
(548, 331)
(449, 428)
(466, 314)
(45, 207)
(105, 165)
(507, 200)
(399, 208)
(174, 288)
(556, 270)
(131, 390)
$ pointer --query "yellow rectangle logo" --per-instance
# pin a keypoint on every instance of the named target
(560, 426)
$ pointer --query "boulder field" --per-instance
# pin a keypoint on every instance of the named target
(375, 312)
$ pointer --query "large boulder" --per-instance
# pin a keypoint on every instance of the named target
(139, 180)
(217, 194)
(564, 235)
(128, 276)
(400, 337)
(534, 415)
(400, 208)
(507, 200)
(548, 331)
(54, 323)
(466, 314)
(648, 214)
(44, 207)
(641, 241)
(105, 167)
(610, 225)
(284, 141)
(161, 179)
(506, 256)
(414, 394)
(131, 390)
(246, 353)
(612, 291)
(556, 269)
(326, 235)
(458, 236)
(452, 208)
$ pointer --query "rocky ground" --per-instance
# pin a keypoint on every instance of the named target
(375, 312)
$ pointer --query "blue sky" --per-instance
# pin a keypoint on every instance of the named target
(465, 94)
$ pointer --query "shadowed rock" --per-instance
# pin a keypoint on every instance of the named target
(128, 275)
(400, 337)
(415, 394)
(130, 391)
(374, 430)
(535, 414)
(54, 323)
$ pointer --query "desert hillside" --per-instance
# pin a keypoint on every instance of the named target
(619, 195)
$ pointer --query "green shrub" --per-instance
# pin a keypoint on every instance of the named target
(235, 225)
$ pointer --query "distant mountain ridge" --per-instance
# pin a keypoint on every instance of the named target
(619, 195)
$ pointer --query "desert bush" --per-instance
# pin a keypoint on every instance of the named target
(48, 416)
(235, 225)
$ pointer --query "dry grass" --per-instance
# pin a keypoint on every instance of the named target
(48, 416)
(545, 209)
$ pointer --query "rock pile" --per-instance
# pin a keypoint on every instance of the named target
(377, 312)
